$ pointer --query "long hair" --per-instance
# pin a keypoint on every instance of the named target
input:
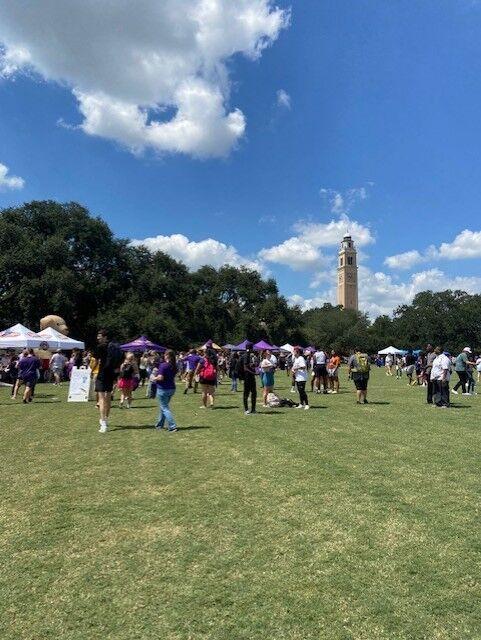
(169, 357)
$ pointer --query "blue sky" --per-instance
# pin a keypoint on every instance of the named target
(358, 115)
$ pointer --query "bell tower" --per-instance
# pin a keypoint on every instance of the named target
(347, 291)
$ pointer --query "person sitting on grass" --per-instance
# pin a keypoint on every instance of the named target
(358, 370)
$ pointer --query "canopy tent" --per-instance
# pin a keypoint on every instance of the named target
(210, 344)
(310, 350)
(57, 340)
(21, 337)
(262, 346)
(242, 346)
(142, 344)
(229, 347)
(390, 351)
(287, 347)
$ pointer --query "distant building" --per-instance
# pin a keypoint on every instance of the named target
(347, 287)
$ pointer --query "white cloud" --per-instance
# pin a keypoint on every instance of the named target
(465, 245)
(404, 260)
(331, 233)
(197, 254)
(343, 202)
(283, 99)
(9, 182)
(296, 253)
(149, 74)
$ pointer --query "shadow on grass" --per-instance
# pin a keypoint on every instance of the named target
(460, 406)
(224, 408)
(381, 403)
(141, 427)
(312, 408)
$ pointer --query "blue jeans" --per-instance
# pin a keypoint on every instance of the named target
(233, 386)
(164, 396)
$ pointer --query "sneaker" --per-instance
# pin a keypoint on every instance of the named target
(247, 413)
(467, 394)
(334, 392)
(185, 391)
(172, 429)
(318, 391)
(266, 406)
(293, 390)
(299, 406)
(202, 407)
(455, 392)
(306, 407)
(366, 402)
(103, 426)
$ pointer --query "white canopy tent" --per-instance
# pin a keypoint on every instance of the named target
(390, 351)
(20, 337)
(287, 347)
(57, 340)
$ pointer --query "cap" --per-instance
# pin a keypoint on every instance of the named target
(467, 349)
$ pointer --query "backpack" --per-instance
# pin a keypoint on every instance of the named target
(363, 365)
(209, 372)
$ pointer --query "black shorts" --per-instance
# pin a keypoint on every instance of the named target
(360, 381)
(320, 370)
(105, 385)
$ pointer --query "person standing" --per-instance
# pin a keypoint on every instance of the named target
(320, 369)
(358, 369)
(267, 375)
(333, 372)
(299, 370)
(190, 362)
(440, 375)
(57, 366)
(164, 378)
(28, 372)
(233, 364)
(128, 371)
(461, 368)
(248, 364)
(109, 357)
(430, 357)
(207, 371)
(389, 363)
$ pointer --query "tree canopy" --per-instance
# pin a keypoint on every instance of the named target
(57, 258)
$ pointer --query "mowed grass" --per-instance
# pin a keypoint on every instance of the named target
(341, 522)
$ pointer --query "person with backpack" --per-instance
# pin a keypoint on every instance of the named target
(247, 370)
(109, 357)
(207, 372)
(358, 370)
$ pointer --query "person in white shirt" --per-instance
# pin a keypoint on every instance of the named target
(440, 375)
(57, 366)
(299, 371)
(320, 370)
(388, 364)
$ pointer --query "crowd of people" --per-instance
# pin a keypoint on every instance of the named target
(201, 371)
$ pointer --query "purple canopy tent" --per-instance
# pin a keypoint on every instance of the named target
(142, 344)
(242, 346)
(262, 346)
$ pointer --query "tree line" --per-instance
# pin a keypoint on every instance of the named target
(58, 258)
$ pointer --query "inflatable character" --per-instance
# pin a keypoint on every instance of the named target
(56, 322)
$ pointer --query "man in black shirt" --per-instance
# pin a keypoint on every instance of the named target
(247, 369)
(109, 357)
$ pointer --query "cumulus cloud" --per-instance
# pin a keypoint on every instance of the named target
(9, 182)
(296, 253)
(197, 254)
(465, 245)
(283, 99)
(330, 234)
(343, 202)
(149, 74)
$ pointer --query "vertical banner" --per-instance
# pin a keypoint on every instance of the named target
(79, 388)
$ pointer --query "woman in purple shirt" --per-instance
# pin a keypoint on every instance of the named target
(165, 381)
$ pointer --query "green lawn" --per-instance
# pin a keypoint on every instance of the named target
(341, 522)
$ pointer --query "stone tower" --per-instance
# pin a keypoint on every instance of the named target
(347, 275)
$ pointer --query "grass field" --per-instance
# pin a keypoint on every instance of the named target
(341, 522)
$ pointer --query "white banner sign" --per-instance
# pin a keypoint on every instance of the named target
(79, 388)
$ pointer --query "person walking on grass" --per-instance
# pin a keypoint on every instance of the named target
(440, 375)
(109, 357)
(164, 379)
(358, 370)
(233, 364)
(128, 371)
(28, 372)
(57, 366)
(247, 369)
(410, 368)
(190, 362)
(388, 364)
(207, 371)
(320, 369)
(299, 370)
(463, 361)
